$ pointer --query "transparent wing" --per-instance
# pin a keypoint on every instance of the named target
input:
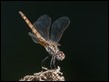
(34, 38)
(42, 25)
(58, 28)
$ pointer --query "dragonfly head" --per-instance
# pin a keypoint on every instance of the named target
(60, 55)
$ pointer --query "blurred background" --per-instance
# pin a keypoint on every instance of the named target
(85, 41)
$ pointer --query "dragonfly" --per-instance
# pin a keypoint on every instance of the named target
(48, 35)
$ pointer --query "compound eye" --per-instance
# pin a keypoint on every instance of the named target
(60, 55)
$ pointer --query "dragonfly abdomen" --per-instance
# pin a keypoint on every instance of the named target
(31, 26)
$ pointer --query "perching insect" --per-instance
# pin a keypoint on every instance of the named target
(49, 39)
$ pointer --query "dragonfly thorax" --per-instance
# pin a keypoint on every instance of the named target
(53, 50)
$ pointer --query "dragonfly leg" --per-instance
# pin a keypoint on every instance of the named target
(52, 62)
(43, 61)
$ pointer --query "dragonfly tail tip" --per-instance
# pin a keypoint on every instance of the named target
(20, 12)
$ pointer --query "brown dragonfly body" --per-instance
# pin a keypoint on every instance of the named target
(50, 45)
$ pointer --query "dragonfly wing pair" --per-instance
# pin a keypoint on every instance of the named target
(43, 24)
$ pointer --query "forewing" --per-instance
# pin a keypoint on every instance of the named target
(58, 28)
(42, 25)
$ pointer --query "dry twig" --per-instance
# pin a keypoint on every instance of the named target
(47, 75)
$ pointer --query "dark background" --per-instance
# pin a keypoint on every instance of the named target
(85, 42)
